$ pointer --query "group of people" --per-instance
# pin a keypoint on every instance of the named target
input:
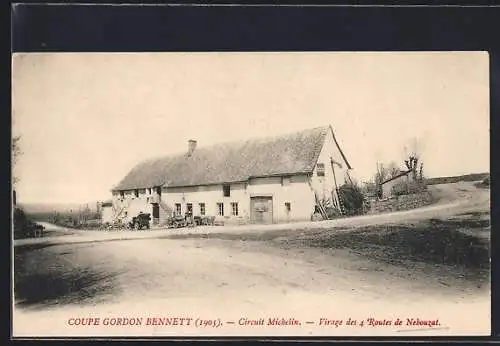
(188, 216)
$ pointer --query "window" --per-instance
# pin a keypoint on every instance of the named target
(122, 194)
(288, 207)
(320, 169)
(136, 193)
(149, 191)
(220, 209)
(189, 208)
(158, 190)
(234, 208)
(178, 210)
(227, 190)
(202, 208)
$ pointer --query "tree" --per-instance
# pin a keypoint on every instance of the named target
(393, 169)
(412, 159)
(22, 224)
(16, 152)
(381, 174)
(379, 178)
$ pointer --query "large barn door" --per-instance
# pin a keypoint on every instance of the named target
(261, 209)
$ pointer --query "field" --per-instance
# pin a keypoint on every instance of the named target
(431, 262)
(456, 179)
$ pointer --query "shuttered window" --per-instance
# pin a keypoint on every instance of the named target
(320, 169)
(226, 190)
(220, 209)
(234, 208)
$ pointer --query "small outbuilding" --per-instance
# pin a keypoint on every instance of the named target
(107, 212)
(388, 185)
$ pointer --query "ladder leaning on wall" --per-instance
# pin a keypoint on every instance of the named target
(337, 190)
(341, 202)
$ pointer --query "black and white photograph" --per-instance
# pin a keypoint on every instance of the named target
(251, 194)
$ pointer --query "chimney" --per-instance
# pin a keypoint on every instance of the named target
(191, 147)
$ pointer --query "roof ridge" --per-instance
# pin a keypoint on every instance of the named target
(240, 141)
(236, 160)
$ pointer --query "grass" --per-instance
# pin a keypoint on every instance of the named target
(439, 242)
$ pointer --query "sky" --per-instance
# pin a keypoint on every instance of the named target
(85, 119)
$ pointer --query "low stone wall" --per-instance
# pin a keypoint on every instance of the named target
(403, 202)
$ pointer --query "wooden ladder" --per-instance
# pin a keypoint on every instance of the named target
(341, 202)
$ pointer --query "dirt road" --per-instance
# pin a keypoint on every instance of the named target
(452, 199)
(241, 274)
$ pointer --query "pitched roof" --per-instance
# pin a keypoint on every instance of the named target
(107, 203)
(288, 154)
(401, 174)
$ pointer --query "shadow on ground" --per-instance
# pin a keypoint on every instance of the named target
(46, 281)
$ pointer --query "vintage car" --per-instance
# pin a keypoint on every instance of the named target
(140, 221)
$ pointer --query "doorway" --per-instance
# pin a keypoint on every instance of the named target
(156, 211)
(261, 209)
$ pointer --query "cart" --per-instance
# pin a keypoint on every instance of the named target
(140, 221)
(179, 221)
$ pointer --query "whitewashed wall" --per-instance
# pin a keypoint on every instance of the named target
(132, 205)
(294, 190)
(326, 184)
(210, 195)
(107, 214)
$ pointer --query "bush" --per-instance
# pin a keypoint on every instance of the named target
(23, 226)
(407, 188)
(332, 213)
(353, 199)
(371, 189)
(21, 223)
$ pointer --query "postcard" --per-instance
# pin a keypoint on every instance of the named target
(251, 194)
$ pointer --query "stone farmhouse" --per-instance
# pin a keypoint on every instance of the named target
(263, 180)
